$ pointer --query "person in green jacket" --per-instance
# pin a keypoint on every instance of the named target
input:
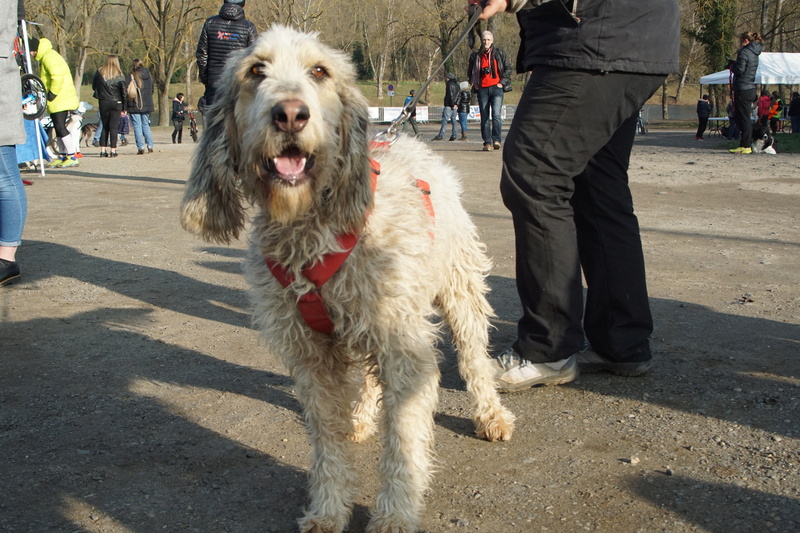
(61, 97)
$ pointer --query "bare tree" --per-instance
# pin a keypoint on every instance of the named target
(71, 25)
(164, 26)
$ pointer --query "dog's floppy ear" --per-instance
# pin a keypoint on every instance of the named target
(212, 204)
(356, 192)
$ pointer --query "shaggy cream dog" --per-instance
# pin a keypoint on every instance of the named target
(288, 134)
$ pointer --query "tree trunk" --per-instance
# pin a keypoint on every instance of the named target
(664, 101)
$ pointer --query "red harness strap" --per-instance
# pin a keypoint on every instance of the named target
(311, 306)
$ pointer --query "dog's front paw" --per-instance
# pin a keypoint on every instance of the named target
(495, 425)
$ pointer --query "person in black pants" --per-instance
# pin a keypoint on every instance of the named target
(744, 88)
(703, 112)
(109, 88)
(177, 118)
(567, 187)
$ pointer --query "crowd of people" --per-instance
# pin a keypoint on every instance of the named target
(125, 102)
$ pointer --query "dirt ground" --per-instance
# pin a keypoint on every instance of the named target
(134, 396)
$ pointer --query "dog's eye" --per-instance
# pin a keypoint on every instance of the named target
(257, 70)
(319, 72)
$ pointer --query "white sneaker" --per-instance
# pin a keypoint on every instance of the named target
(513, 373)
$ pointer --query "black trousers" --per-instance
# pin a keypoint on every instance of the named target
(565, 181)
(109, 116)
(701, 127)
(742, 115)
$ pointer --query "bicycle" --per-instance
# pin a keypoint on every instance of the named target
(34, 94)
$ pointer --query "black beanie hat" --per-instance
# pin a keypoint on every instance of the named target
(33, 44)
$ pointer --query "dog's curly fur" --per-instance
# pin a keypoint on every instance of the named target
(407, 269)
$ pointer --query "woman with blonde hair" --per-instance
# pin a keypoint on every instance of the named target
(109, 89)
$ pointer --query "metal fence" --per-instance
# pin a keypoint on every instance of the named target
(431, 113)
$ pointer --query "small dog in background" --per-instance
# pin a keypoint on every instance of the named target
(763, 141)
(87, 133)
(74, 121)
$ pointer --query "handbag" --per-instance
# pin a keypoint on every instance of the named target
(134, 93)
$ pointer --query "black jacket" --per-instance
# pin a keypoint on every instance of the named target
(794, 107)
(110, 90)
(464, 101)
(451, 93)
(178, 110)
(703, 108)
(145, 83)
(221, 35)
(634, 36)
(744, 69)
(502, 64)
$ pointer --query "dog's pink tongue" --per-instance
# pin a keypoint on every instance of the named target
(289, 166)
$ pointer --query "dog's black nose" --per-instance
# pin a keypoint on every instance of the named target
(290, 115)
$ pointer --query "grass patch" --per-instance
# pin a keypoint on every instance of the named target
(788, 143)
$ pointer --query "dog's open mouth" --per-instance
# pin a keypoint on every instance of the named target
(290, 167)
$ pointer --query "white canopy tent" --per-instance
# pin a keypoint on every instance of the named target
(774, 68)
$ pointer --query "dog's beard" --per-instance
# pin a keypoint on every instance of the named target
(287, 204)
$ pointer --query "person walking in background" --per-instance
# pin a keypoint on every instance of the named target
(109, 89)
(794, 112)
(464, 101)
(489, 72)
(178, 111)
(222, 34)
(703, 112)
(61, 97)
(412, 112)
(140, 111)
(568, 193)
(450, 108)
(744, 88)
(13, 202)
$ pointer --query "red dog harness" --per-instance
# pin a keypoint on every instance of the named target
(311, 306)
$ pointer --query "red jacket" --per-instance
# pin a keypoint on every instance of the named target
(763, 106)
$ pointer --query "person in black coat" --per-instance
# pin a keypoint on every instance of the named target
(744, 88)
(703, 112)
(109, 88)
(221, 35)
(178, 111)
(452, 93)
(140, 108)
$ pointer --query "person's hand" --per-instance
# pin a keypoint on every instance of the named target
(492, 7)
(50, 96)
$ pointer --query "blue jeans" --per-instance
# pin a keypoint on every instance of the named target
(490, 103)
(572, 209)
(462, 118)
(140, 122)
(448, 115)
(99, 131)
(13, 202)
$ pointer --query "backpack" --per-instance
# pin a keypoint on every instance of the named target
(134, 93)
